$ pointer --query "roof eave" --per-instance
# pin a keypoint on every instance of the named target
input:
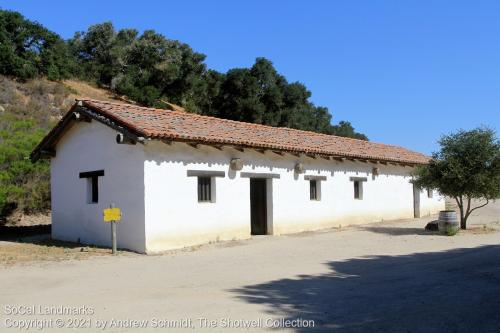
(221, 142)
(46, 147)
(78, 112)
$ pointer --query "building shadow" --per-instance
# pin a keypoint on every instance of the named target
(21, 232)
(450, 291)
(399, 231)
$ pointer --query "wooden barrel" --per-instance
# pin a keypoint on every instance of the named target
(448, 222)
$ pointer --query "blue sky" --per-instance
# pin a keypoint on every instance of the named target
(403, 72)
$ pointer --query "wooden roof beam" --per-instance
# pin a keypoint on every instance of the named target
(48, 152)
(167, 142)
(81, 117)
(240, 149)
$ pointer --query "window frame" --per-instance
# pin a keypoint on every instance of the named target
(213, 175)
(93, 194)
(317, 179)
(205, 189)
(314, 194)
(358, 183)
(92, 178)
(357, 189)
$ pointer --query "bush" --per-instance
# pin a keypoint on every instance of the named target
(27, 111)
(23, 185)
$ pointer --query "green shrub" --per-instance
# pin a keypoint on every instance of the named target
(23, 185)
(451, 231)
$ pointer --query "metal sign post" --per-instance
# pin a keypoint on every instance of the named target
(113, 236)
(113, 215)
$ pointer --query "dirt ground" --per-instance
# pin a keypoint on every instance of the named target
(381, 277)
(40, 249)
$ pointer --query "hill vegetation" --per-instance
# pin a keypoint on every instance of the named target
(42, 73)
(28, 110)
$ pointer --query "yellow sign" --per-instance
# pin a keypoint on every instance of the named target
(112, 214)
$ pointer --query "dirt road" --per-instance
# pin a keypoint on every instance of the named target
(375, 278)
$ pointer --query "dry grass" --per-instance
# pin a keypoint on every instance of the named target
(82, 89)
(19, 219)
(13, 253)
(478, 230)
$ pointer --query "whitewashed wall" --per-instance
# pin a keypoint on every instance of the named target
(174, 218)
(89, 147)
(429, 206)
(160, 205)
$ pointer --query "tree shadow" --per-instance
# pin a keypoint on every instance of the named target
(451, 291)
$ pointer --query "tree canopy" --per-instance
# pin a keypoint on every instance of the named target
(153, 70)
(27, 49)
(467, 167)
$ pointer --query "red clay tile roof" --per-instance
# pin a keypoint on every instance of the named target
(182, 126)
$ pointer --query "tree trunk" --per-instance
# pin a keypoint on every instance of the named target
(463, 220)
(463, 217)
(465, 214)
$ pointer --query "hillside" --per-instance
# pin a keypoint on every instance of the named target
(46, 98)
(27, 111)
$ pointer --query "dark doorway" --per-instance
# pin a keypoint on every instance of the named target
(416, 201)
(258, 206)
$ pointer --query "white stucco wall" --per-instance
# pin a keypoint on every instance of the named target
(89, 147)
(175, 218)
(160, 204)
(429, 206)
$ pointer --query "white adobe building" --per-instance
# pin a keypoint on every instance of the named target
(182, 179)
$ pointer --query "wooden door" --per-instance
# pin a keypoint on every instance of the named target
(258, 206)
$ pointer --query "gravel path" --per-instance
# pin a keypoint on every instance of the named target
(374, 278)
